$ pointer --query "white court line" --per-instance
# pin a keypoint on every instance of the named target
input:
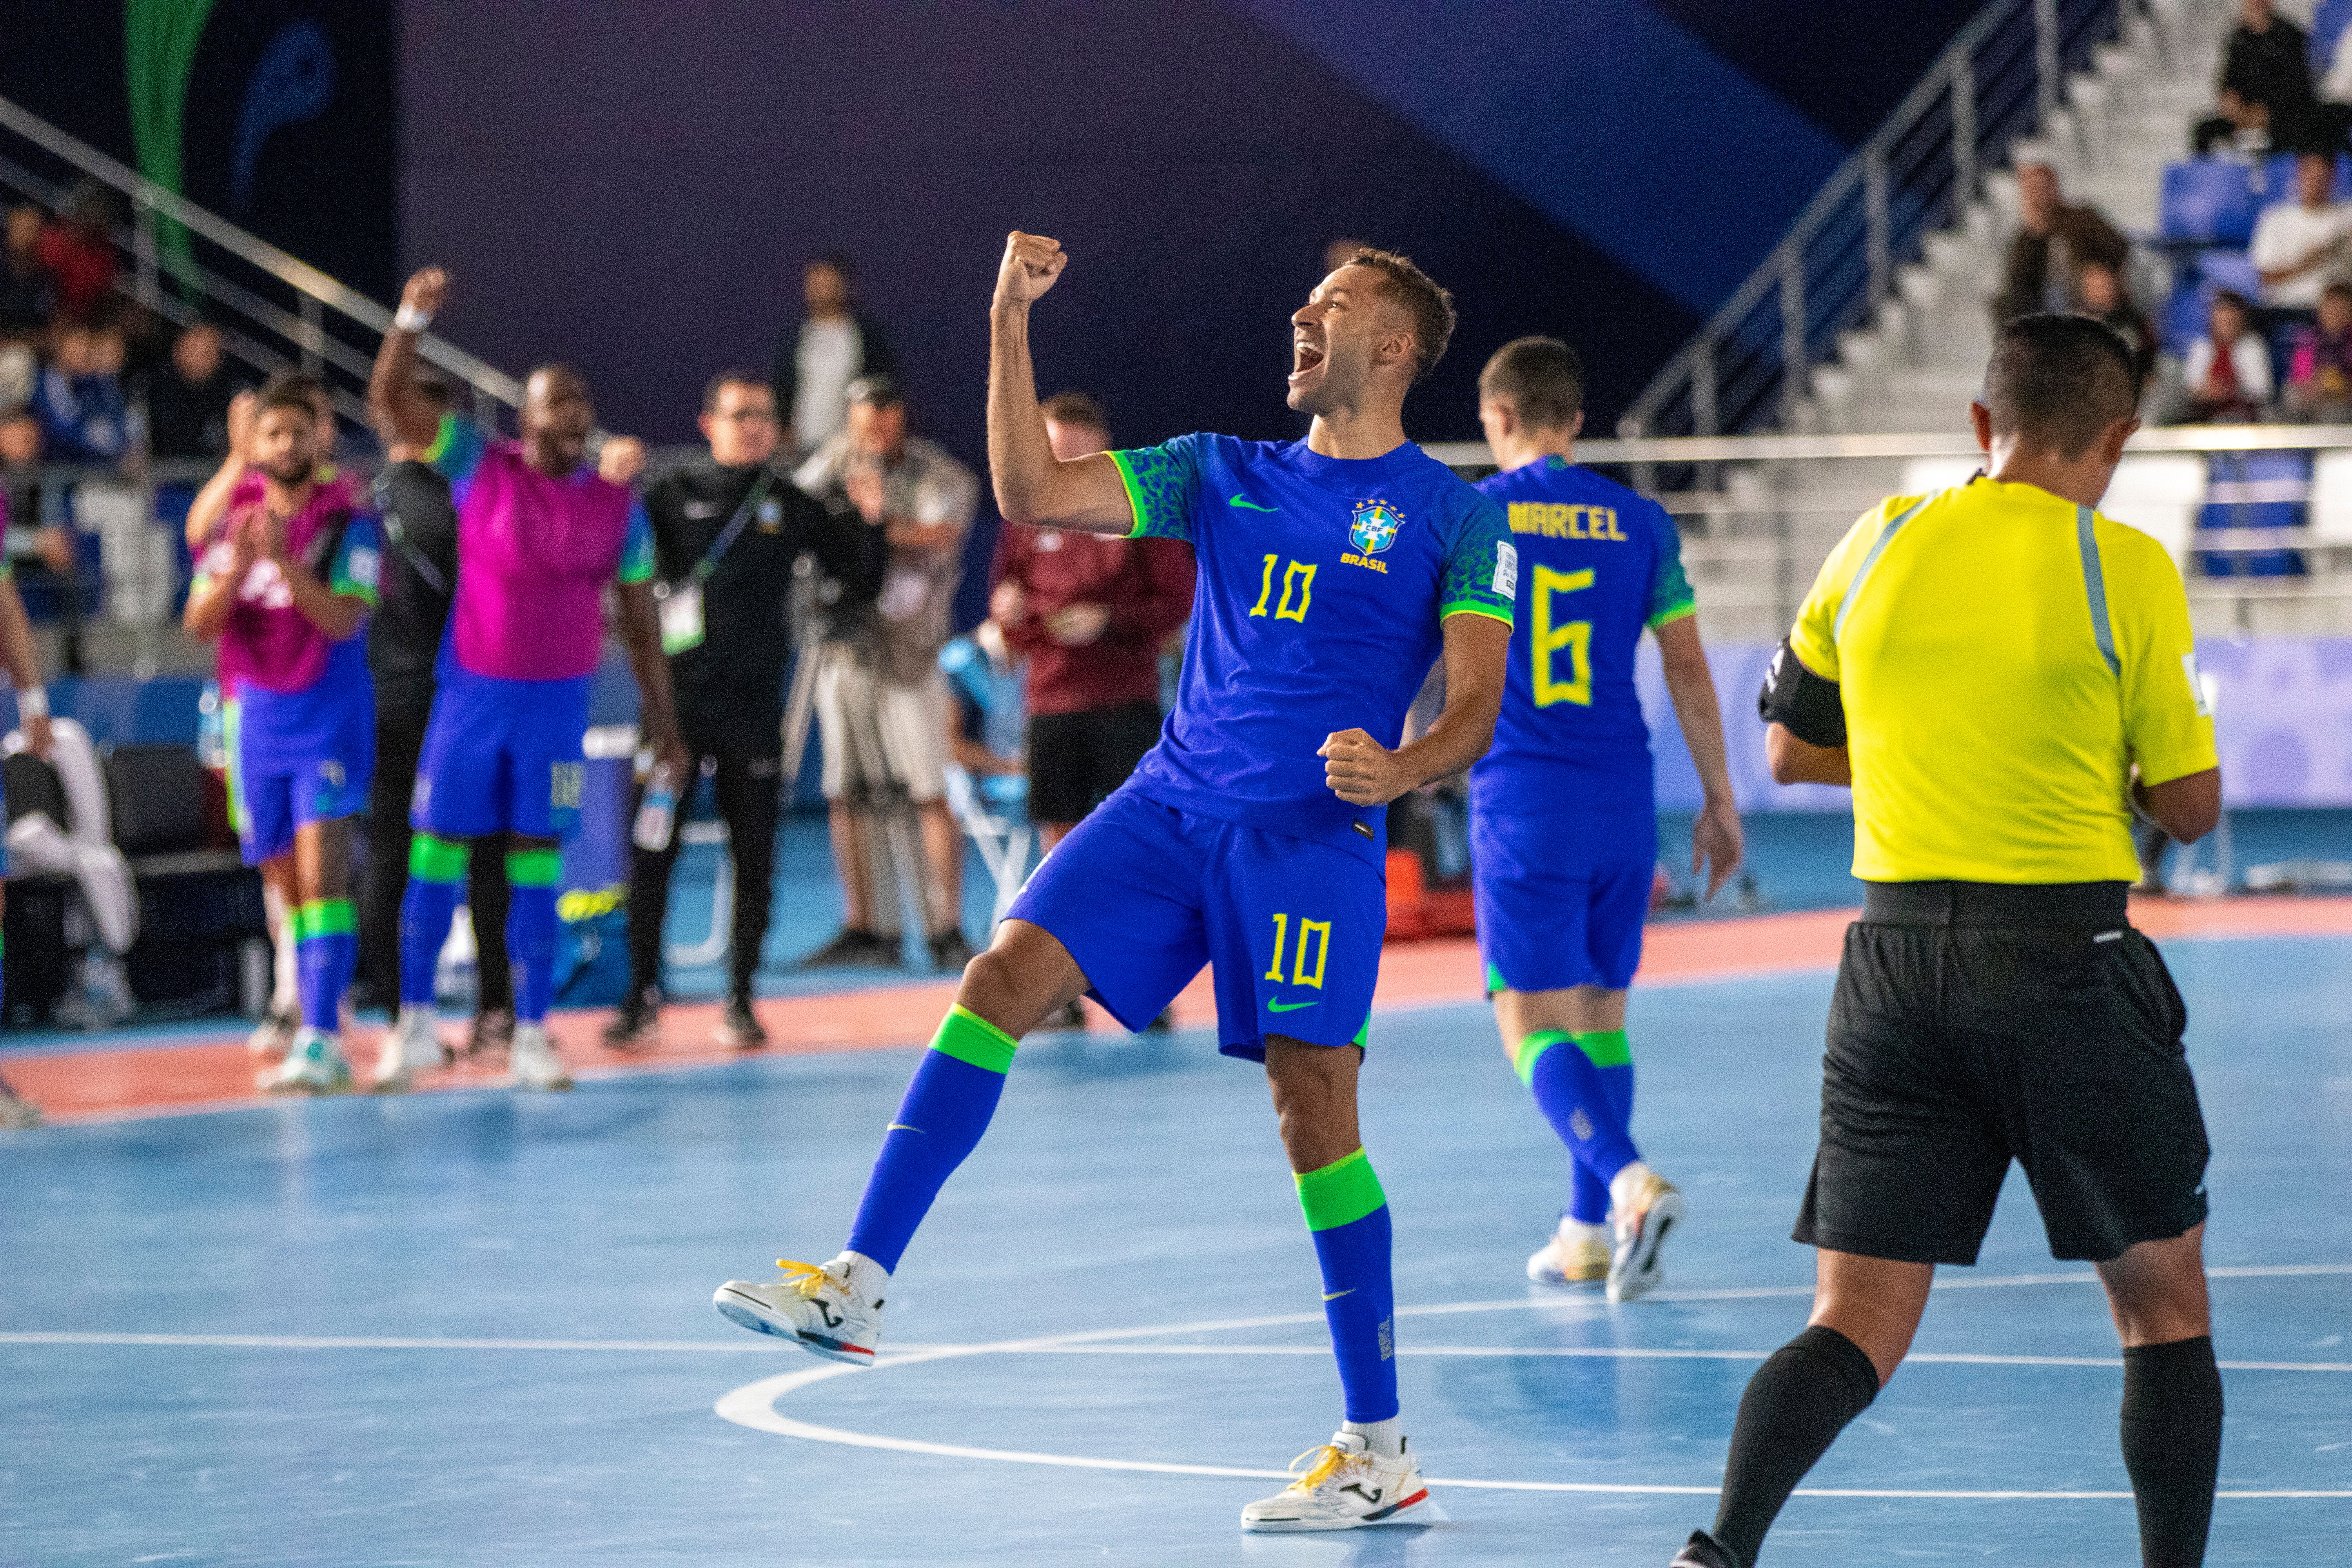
(754, 1404)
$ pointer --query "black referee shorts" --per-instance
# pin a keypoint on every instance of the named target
(1976, 1024)
(1076, 760)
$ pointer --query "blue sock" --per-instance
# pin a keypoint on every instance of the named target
(327, 949)
(947, 1108)
(437, 870)
(1349, 1214)
(533, 929)
(1586, 1092)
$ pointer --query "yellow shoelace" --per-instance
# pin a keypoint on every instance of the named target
(1328, 1460)
(807, 1279)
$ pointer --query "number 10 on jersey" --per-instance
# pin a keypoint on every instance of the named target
(1297, 577)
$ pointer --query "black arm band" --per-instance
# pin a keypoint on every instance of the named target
(1800, 701)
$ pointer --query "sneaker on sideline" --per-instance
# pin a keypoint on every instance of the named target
(410, 1046)
(1576, 1255)
(638, 1026)
(1642, 1226)
(313, 1065)
(739, 1027)
(853, 950)
(274, 1036)
(531, 1062)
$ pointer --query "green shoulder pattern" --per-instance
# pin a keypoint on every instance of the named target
(1670, 598)
(1163, 485)
(1482, 567)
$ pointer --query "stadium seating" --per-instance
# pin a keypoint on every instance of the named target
(198, 903)
(2209, 201)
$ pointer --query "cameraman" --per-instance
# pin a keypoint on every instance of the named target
(727, 533)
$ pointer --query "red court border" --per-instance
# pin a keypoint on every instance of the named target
(215, 1075)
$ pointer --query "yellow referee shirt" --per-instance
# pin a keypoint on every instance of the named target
(2006, 657)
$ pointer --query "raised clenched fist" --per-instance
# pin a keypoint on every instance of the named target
(1031, 262)
(426, 289)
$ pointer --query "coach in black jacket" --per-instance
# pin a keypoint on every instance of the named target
(727, 535)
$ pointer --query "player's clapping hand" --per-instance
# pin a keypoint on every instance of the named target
(240, 425)
(1031, 264)
(1360, 771)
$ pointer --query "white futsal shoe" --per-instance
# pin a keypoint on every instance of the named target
(1645, 1213)
(819, 1307)
(410, 1046)
(314, 1064)
(274, 1036)
(1347, 1487)
(1576, 1255)
(531, 1061)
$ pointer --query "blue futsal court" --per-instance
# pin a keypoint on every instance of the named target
(474, 1328)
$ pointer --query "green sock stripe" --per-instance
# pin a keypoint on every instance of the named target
(968, 1037)
(1341, 1193)
(432, 860)
(534, 868)
(324, 917)
(1531, 1049)
(1606, 1048)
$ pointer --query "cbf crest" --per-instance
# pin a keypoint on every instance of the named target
(1375, 526)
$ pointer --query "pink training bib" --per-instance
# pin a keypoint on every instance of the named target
(533, 555)
(267, 642)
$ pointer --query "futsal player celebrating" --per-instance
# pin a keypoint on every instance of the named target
(287, 588)
(539, 533)
(1563, 815)
(1333, 572)
(2002, 675)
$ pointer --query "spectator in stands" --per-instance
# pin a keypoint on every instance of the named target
(29, 297)
(41, 540)
(2266, 66)
(835, 344)
(85, 418)
(2100, 294)
(2053, 240)
(2238, 128)
(188, 397)
(1090, 613)
(2319, 377)
(2227, 380)
(881, 700)
(77, 251)
(2301, 246)
(727, 534)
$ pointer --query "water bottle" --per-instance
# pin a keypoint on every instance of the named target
(658, 814)
(212, 728)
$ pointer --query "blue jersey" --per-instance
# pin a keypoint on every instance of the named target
(1323, 583)
(1598, 564)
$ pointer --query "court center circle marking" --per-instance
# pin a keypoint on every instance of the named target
(753, 1405)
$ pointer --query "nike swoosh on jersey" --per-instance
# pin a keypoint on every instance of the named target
(1335, 1295)
(1278, 1006)
(900, 1127)
(1248, 505)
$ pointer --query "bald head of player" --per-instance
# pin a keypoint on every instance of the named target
(1369, 332)
(556, 417)
(2060, 400)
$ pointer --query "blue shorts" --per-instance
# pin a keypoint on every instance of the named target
(279, 783)
(1560, 900)
(501, 756)
(1143, 895)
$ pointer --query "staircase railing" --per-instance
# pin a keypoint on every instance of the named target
(275, 311)
(2001, 78)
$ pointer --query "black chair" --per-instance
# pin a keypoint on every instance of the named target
(198, 904)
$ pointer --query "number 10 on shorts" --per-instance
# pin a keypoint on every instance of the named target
(1317, 932)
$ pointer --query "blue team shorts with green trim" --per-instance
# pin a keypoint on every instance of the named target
(501, 756)
(277, 784)
(1561, 900)
(1144, 894)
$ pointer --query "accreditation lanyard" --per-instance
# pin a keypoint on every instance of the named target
(680, 602)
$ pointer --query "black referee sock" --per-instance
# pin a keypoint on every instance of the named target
(2172, 1447)
(1796, 1405)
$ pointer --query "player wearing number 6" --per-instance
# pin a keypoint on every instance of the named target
(1333, 571)
(1563, 816)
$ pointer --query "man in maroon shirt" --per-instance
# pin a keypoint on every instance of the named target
(1091, 613)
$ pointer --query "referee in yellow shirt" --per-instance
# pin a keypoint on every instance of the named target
(2003, 676)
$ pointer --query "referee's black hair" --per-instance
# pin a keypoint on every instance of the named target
(2059, 383)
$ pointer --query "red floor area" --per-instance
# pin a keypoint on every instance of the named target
(217, 1074)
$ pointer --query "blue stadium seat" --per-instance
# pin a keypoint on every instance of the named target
(2256, 490)
(2208, 201)
(2328, 24)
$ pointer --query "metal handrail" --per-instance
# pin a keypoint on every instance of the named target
(488, 381)
(1966, 111)
(1957, 444)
